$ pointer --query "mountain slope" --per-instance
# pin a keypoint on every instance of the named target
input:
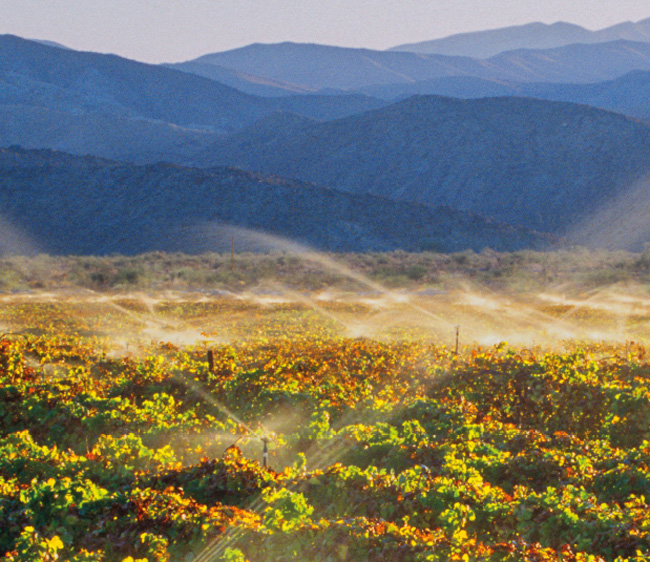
(526, 162)
(69, 204)
(242, 81)
(487, 43)
(109, 136)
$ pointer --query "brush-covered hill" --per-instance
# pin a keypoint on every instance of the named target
(68, 204)
(526, 162)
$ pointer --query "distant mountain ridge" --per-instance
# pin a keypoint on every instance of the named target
(628, 94)
(49, 43)
(315, 67)
(63, 79)
(521, 161)
(322, 66)
(536, 35)
(109, 207)
(113, 107)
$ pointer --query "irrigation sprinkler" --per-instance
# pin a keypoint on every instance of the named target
(425, 472)
(265, 451)
(265, 448)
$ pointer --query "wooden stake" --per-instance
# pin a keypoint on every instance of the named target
(457, 332)
(210, 361)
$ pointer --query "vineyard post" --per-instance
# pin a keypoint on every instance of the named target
(210, 361)
(457, 333)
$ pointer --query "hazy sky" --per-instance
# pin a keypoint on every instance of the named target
(175, 30)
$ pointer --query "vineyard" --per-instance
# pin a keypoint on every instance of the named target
(287, 425)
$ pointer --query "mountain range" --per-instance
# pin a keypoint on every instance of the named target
(109, 106)
(314, 67)
(325, 145)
